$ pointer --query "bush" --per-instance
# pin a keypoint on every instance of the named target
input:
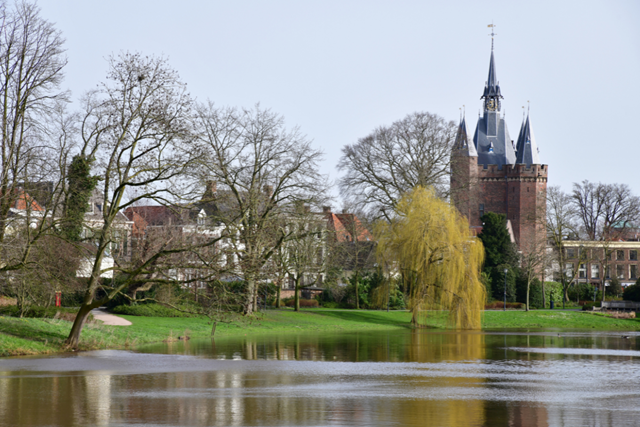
(499, 305)
(632, 292)
(497, 282)
(150, 310)
(303, 303)
(331, 304)
(72, 298)
(39, 312)
(553, 292)
(588, 305)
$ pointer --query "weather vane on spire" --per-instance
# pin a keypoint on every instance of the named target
(492, 26)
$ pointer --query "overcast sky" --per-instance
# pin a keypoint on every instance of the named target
(339, 69)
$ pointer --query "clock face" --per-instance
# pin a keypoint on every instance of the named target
(491, 104)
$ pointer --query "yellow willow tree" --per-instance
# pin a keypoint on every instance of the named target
(428, 242)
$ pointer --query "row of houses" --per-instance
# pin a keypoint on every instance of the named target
(138, 227)
(597, 262)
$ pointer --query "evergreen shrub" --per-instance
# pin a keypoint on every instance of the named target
(303, 303)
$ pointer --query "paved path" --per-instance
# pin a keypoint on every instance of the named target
(108, 318)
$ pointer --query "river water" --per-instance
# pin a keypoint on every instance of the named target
(399, 378)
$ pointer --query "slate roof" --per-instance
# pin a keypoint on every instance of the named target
(492, 141)
(527, 149)
(463, 142)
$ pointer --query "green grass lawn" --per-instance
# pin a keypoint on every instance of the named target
(41, 336)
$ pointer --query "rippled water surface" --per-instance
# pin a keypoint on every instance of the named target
(366, 379)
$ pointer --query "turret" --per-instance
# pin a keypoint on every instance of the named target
(527, 149)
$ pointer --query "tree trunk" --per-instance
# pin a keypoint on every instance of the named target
(255, 300)
(357, 293)
(74, 336)
(544, 296)
(251, 290)
(297, 294)
(528, 287)
(278, 295)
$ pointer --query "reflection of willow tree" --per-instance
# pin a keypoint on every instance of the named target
(428, 242)
(438, 348)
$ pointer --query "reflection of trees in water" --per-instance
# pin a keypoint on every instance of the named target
(412, 346)
(424, 390)
(440, 406)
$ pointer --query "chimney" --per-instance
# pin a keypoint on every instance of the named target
(326, 209)
(211, 188)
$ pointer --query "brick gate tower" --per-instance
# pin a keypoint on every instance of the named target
(490, 173)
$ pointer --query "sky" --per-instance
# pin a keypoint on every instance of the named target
(339, 69)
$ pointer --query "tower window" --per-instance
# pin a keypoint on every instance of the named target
(527, 189)
(481, 209)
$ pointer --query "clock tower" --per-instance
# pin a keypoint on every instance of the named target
(491, 173)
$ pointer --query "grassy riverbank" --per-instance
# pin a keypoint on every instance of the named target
(42, 336)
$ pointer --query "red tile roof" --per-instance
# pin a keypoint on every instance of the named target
(24, 200)
(348, 228)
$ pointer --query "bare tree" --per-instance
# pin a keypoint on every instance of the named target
(533, 260)
(262, 171)
(304, 252)
(137, 127)
(605, 210)
(561, 226)
(392, 160)
(35, 135)
(31, 63)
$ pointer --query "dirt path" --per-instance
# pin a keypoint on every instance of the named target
(109, 319)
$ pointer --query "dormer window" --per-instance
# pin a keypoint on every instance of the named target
(202, 215)
(491, 147)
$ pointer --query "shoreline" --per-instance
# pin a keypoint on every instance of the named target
(30, 336)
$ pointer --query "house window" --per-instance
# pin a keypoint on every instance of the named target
(583, 253)
(568, 269)
(595, 271)
(481, 209)
(633, 255)
(620, 271)
(582, 271)
(571, 253)
(633, 271)
(607, 272)
(620, 255)
(608, 255)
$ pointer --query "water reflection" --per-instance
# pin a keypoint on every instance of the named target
(412, 378)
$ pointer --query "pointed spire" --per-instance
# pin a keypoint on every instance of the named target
(492, 93)
(527, 149)
(464, 144)
(492, 88)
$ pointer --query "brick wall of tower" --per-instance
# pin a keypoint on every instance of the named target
(527, 201)
(492, 188)
(519, 193)
(464, 187)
